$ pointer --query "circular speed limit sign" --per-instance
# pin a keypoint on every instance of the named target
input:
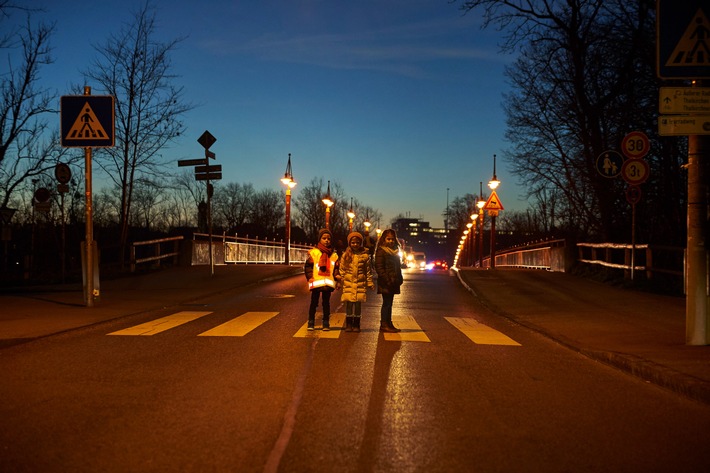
(635, 171)
(635, 145)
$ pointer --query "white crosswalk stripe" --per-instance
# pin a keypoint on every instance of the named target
(247, 322)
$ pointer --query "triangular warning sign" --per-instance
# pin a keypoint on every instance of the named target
(693, 49)
(493, 202)
(87, 126)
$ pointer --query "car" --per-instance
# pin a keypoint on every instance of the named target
(438, 265)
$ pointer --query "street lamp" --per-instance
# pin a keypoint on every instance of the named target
(288, 181)
(474, 240)
(470, 233)
(493, 184)
(351, 215)
(328, 204)
(480, 204)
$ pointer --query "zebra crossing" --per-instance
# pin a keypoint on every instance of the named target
(248, 322)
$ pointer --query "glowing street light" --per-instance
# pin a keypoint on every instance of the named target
(351, 215)
(493, 184)
(328, 204)
(288, 181)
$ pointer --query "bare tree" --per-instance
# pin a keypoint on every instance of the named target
(135, 68)
(27, 147)
(232, 204)
(267, 211)
(584, 78)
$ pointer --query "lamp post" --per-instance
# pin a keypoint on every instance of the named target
(328, 204)
(469, 235)
(480, 204)
(288, 181)
(351, 215)
(493, 184)
(474, 234)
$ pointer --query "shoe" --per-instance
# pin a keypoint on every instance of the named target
(356, 324)
(311, 327)
(384, 327)
(393, 328)
(326, 325)
(349, 325)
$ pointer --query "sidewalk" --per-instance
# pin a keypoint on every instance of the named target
(637, 332)
(640, 333)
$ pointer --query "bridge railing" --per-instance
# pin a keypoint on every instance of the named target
(649, 259)
(228, 249)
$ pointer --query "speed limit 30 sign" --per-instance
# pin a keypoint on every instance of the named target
(635, 145)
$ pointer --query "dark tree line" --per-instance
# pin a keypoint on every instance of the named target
(584, 77)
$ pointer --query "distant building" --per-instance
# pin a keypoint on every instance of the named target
(419, 236)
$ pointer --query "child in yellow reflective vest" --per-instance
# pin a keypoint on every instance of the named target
(321, 275)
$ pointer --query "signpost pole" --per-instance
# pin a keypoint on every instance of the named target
(89, 238)
(696, 312)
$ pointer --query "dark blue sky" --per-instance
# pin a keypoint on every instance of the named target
(395, 100)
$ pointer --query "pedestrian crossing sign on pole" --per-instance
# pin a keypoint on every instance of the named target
(87, 121)
(683, 39)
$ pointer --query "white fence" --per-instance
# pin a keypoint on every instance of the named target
(244, 250)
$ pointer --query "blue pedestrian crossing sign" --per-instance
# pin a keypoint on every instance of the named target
(87, 121)
(683, 39)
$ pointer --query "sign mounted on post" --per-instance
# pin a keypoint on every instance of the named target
(683, 125)
(635, 145)
(682, 32)
(684, 100)
(87, 121)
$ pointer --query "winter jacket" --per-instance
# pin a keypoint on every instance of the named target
(357, 277)
(389, 272)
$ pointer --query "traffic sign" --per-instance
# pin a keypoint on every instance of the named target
(208, 168)
(87, 121)
(635, 171)
(493, 202)
(683, 125)
(206, 140)
(191, 162)
(208, 176)
(42, 194)
(684, 100)
(633, 195)
(62, 173)
(609, 163)
(635, 145)
(682, 39)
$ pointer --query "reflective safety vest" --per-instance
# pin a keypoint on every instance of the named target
(322, 279)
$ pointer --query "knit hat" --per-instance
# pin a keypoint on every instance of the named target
(322, 232)
(354, 235)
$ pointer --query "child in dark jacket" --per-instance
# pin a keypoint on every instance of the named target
(389, 276)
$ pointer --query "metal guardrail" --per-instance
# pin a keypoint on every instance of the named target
(157, 254)
(647, 258)
(548, 255)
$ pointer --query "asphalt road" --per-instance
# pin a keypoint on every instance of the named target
(459, 389)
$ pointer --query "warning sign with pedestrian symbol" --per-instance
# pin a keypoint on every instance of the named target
(87, 121)
(683, 42)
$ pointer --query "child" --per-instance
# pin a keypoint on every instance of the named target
(389, 276)
(356, 273)
(320, 270)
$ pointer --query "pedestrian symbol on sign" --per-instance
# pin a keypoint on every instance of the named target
(86, 126)
(693, 49)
